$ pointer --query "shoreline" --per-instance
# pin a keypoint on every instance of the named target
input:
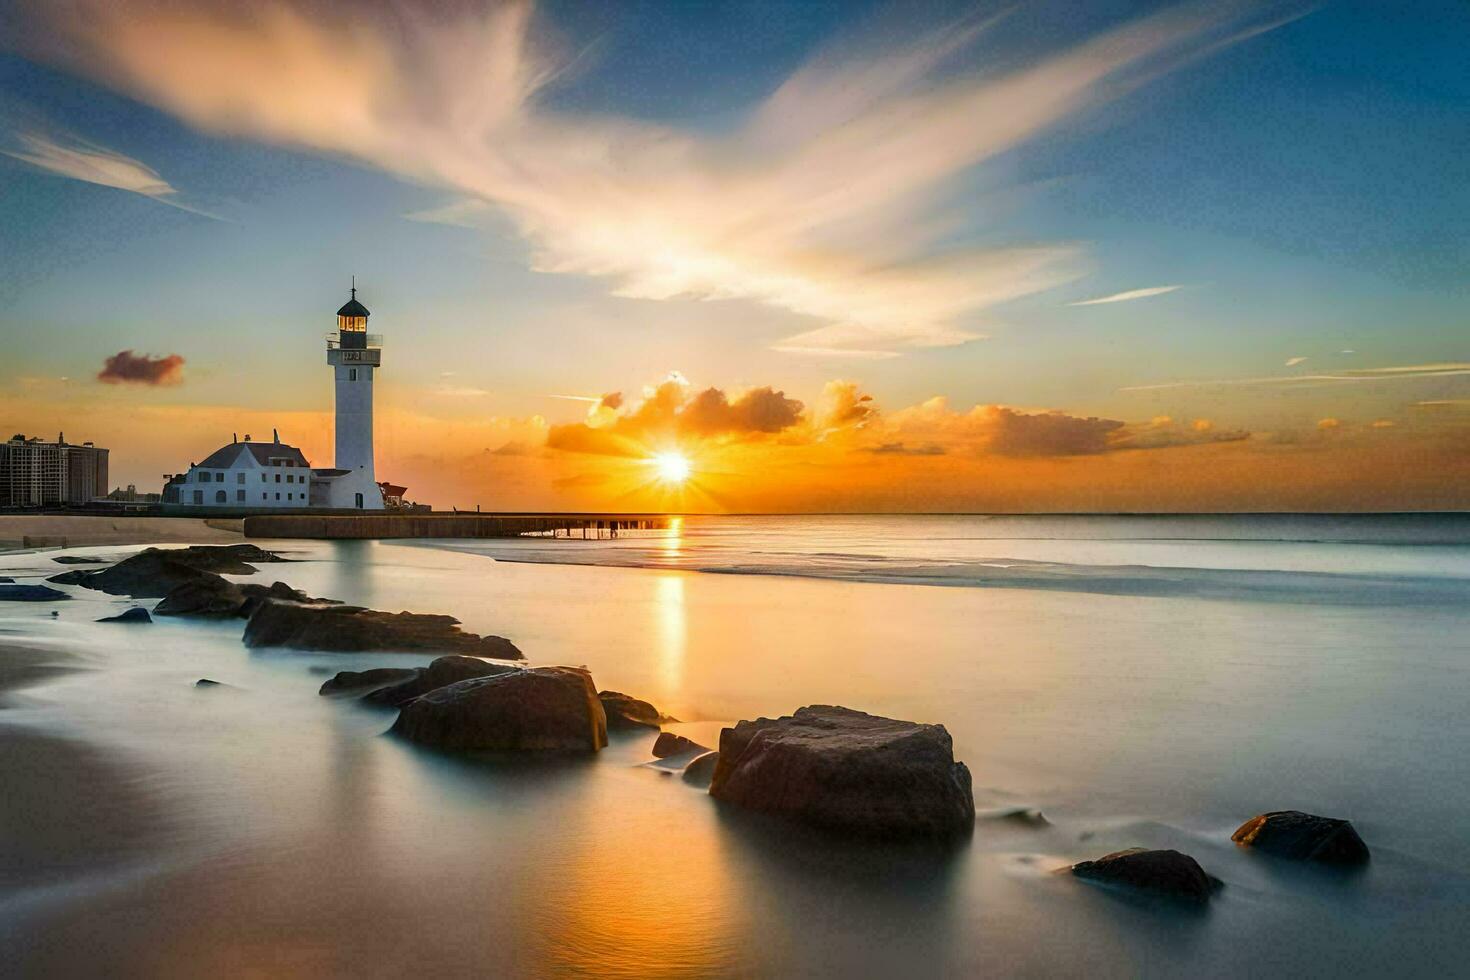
(35, 532)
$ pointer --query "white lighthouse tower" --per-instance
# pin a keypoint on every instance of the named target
(355, 358)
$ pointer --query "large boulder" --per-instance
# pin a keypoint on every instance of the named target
(137, 614)
(359, 681)
(31, 593)
(847, 771)
(1303, 837)
(1163, 872)
(353, 629)
(625, 712)
(207, 596)
(537, 709)
(441, 673)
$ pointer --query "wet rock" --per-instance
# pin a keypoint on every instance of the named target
(31, 593)
(206, 596)
(669, 744)
(155, 572)
(137, 614)
(1163, 872)
(536, 709)
(1302, 836)
(78, 560)
(626, 712)
(342, 629)
(440, 673)
(6, 580)
(256, 594)
(206, 682)
(848, 771)
(360, 681)
(701, 770)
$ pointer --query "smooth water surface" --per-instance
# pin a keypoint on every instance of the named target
(260, 827)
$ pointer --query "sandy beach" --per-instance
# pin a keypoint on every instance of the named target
(24, 531)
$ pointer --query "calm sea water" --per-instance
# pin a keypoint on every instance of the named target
(1142, 681)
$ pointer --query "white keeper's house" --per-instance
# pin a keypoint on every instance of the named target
(248, 474)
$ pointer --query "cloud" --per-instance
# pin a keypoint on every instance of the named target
(1047, 433)
(901, 449)
(1328, 424)
(1294, 361)
(125, 367)
(1403, 373)
(845, 405)
(96, 165)
(832, 199)
(1163, 433)
(672, 412)
(1125, 297)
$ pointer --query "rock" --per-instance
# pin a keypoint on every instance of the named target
(625, 712)
(440, 673)
(1303, 837)
(78, 560)
(155, 572)
(847, 771)
(31, 593)
(1163, 872)
(537, 709)
(6, 580)
(206, 682)
(701, 770)
(669, 744)
(358, 681)
(256, 594)
(207, 596)
(337, 628)
(137, 614)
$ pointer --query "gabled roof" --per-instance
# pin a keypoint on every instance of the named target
(263, 452)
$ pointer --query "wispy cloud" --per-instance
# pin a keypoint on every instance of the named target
(1403, 373)
(97, 165)
(828, 199)
(1294, 361)
(1125, 297)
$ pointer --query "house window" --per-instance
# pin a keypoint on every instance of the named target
(265, 496)
(205, 477)
(278, 478)
(240, 477)
(240, 496)
(220, 497)
(278, 495)
(263, 478)
(198, 496)
(219, 478)
(289, 496)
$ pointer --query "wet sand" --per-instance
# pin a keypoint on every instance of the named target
(25, 531)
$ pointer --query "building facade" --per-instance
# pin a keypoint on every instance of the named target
(276, 475)
(36, 473)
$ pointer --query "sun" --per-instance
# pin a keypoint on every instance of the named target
(671, 467)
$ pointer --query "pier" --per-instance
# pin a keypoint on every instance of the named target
(334, 527)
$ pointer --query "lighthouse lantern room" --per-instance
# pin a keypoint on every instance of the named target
(355, 357)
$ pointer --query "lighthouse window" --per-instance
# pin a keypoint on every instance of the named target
(352, 374)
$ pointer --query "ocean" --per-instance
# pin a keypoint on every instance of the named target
(1139, 681)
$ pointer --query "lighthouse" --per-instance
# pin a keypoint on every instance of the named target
(355, 358)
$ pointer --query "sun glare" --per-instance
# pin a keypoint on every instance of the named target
(671, 467)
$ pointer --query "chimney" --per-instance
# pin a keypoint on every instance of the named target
(234, 438)
(275, 435)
